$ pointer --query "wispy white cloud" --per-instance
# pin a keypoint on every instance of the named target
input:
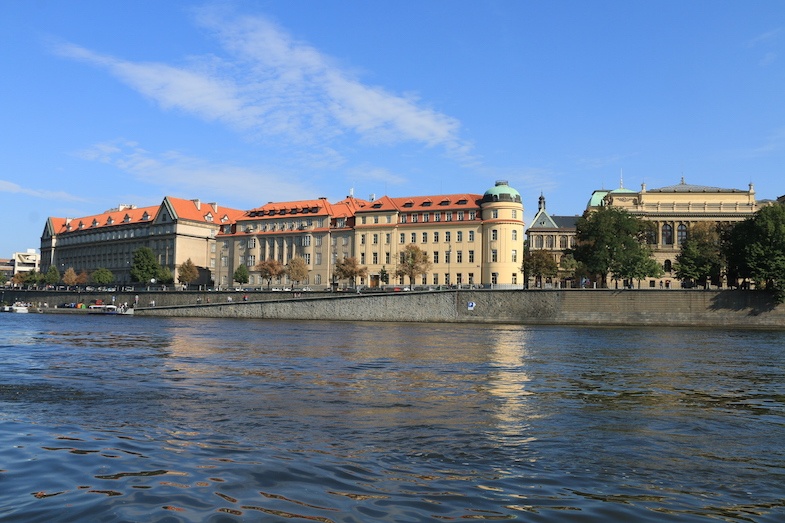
(775, 142)
(272, 86)
(179, 174)
(763, 38)
(13, 188)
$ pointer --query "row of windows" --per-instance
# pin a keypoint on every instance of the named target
(425, 217)
(549, 241)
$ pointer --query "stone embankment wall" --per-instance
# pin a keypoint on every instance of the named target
(727, 309)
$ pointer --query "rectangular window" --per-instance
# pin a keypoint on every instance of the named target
(459, 278)
(515, 236)
(471, 236)
(362, 239)
(435, 257)
(514, 214)
(387, 257)
(414, 218)
(307, 258)
(447, 237)
(472, 215)
(459, 236)
(460, 216)
(251, 261)
(318, 241)
(403, 218)
(437, 216)
(494, 256)
(447, 256)
(514, 277)
(403, 238)
(375, 258)
(436, 279)
(471, 278)
(494, 214)
(375, 239)
(387, 238)
(375, 219)
(318, 258)
(362, 258)
(251, 243)
(494, 235)
(425, 216)
(414, 237)
(425, 237)
(436, 237)
(471, 256)
(448, 216)
(459, 257)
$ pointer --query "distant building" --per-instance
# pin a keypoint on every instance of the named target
(175, 231)
(552, 233)
(25, 261)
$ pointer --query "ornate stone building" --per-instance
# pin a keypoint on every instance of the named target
(552, 233)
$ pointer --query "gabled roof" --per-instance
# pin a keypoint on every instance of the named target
(113, 217)
(195, 210)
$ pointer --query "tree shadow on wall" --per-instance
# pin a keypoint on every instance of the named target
(756, 302)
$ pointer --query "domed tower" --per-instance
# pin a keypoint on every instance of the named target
(502, 235)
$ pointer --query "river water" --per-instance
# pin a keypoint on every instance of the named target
(118, 419)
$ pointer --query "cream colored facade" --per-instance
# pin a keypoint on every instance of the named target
(554, 234)
(470, 239)
(674, 210)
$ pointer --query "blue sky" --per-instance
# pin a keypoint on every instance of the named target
(243, 103)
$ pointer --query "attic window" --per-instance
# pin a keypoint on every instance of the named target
(110, 221)
(224, 219)
(126, 219)
(95, 223)
(427, 204)
(145, 216)
(444, 202)
(408, 204)
(81, 226)
(462, 201)
(377, 205)
(208, 217)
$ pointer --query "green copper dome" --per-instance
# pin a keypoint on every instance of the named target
(501, 192)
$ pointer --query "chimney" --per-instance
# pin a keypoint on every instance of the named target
(198, 204)
(214, 206)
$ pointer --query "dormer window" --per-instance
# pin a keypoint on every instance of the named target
(126, 219)
(95, 223)
(145, 216)
(462, 201)
(427, 203)
(408, 204)
(208, 217)
(110, 221)
(444, 202)
(81, 226)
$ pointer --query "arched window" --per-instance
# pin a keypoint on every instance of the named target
(538, 242)
(667, 234)
(667, 266)
(681, 233)
(549, 242)
(562, 242)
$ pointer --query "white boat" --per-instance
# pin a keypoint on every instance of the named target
(20, 308)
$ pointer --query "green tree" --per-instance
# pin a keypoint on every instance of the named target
(102, 276)
(612, 242)
(144, 267)
(700, 259)
(414, 262)
(241, 275)
(350, 269)
(3, 278)
(384, 276)
(52, 275)
(297, 269)
(165, 275)
(269, 269)
(756, 249)
(69, 276)
(187, 272)
(539, 264)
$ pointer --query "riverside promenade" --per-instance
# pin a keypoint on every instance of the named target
(595, 307)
